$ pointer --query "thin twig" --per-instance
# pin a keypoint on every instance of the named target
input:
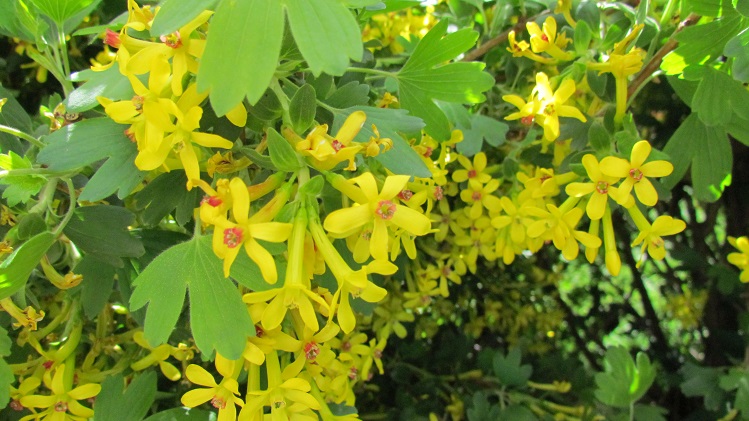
(655, 61)
(499, 39)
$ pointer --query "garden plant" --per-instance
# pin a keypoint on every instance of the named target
(374, 210)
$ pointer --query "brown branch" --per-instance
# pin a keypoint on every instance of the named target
(655, 61)
(499, 39)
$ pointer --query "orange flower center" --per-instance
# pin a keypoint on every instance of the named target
(233, 237)
(428, 152)
(112, 39)
(527, 120)
(138, 102)
(406, 195)
(337, 145)
(471, 173)
(476, 196)
(213, 201)
(385, 209)
(438, 193)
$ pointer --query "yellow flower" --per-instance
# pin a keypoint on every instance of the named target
(180, 46)
(226, 164)
(25, 388)
(63, 404)
(740, 259)
(379, 209)
(526, 110)
(156, 356)
(480, 196)
(558, 225)
(635, 173)
(223, 395)
(599, 187)
(472, 171)
(650, 235)
(287, 395)
(548, 41)
(228, 236)
(552, 104)
(325, 151)
(295, 293)
(182, 140)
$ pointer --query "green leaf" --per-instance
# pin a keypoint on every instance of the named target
(88, 141)
(508, 369)
(5, 342)
(281, 152)
(175, 14)
(707, 150)
(248, 35)
(742, 6)
(20, 187)
(302, 108)
(401, 159)
(424, 78)
(16, 268)
(737, 379)
(739, 129)
(218, 317)
(183, 414)
(701, 43)
(102, 231)
(599, 139)
(326, 33)
(18, 20)
(516, 412)
(703, 381)
(685, 89)
(712, 8)
(97, 285)
(262, 161)
(712, 98)
(247, 273)
(61, 10)
(349, 95)
(623, 382)
(132, 405)
(583, 36)
(738, 48)
(109, 83)
(6, 379)
(165, 194)
(649, 413)
(13, 115)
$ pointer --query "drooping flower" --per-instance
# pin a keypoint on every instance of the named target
(326, 151)
(548, 40)
(552, 104)
(740, 259)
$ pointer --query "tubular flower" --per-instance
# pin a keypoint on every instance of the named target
(552, 105)
(740, 259)
(295, 293)
(523, 49)
(63, 404)
(635, 173)
(526, 110)
(381, 210)
(599, 187)
(223, 395)
(156, 356)
(548, 41)
(325, 151)
(228, 236)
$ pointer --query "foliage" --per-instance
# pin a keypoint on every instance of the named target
(374, 209)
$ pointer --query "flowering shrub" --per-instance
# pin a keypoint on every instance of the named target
(372, 209)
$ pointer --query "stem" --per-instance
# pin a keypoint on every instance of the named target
(371, 71)
(34, 171)
(27, 137)
(655, 61)
(71, 209)
(63, 46)
(668, 12)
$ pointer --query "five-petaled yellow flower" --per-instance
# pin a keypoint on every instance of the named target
(636, 172)
(379, 209)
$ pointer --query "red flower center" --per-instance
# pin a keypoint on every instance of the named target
(112, 39)
(61, 407)
(218, 402)
(471, 173)
(311, 350)
(259, 332)
(602, 187)
(476, 196)
(233, 237)
(438, 193)
(545, 38)
(173, 40)
(527, 120)
(406, 195)
(428, 152)
(636, 174)
(138, 102)
(213, 201)
(385, 209)
(337, 145)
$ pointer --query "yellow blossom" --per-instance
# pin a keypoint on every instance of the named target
(598, 188)
(223, 395)
(62, 404)
(552, 104)
(636, 172)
